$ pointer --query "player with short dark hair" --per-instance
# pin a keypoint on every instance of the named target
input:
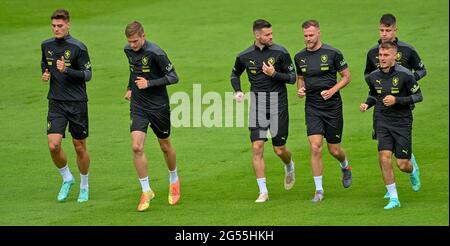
(150, 72)
(317, 66)
(406, 56)
(393, 89)
(65, 64)
(269, 67)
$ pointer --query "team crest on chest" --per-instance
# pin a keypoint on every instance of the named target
(67, 54)
(395, 81)
(271, 60)
(144, 60)
(324, 58)
(398, 57)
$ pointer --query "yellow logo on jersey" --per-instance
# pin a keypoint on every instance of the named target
(324, 58)
(394, 81)
(398, 57)
(144, 60)
(271, 60)
(67, 54)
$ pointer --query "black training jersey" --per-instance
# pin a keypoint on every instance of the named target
(399, 82)
(319, 69)
(252, 60)
(71, 84)
(406, 56)
(152, 63)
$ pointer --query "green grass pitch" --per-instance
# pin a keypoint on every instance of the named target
(202, 39)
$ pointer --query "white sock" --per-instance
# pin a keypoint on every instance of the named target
(145, 184)
(344, 164)
(84, 184)
(173, 176)
(262, 185)
(392, 190)
(289, 167)
(318, 182)
(65, 173)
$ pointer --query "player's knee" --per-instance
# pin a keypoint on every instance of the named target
(316, 148)
(257, 149)
(80, 147)
(279, 150)
(166, 148)
(334, 151)
(137, 148)
(54, 147)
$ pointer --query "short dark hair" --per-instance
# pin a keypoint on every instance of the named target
(133, 28)
(388, 20)
(309, 23)
(260, 24)
(388, 45)
(60, 14)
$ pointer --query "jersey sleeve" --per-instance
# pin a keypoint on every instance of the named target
(416, 64)
(370, 67)
(297, 65)
(236, 73)
(83, 69)
(413, 89)
(170, 76)
(286, 71)
(340, 62)
(43, 60)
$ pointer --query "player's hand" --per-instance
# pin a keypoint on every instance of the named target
(327, 94)
(268, 69)
(363, 107)
(46, 75)
(301, 92)
(127, 95)
(60, 64)
(239, 96)
(389, 100)
(141, 83)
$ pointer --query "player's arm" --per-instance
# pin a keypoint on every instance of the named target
(344, 71)
(415, 94)
(128, 91)
(371, 97)
(83, 71)
(170, 76)
(417, 65)
(301, 90)
(370, 67)
(236, 73)
(286, 72)
(44, 67)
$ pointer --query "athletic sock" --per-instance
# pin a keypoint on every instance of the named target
(65, 173)
(262, 185)
(173, 176)
(392, 190)
(84, 184)
(145, 184)
(318, 182)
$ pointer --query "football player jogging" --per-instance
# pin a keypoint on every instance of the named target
(269, 67)
(150, 73)
(65, 65)
(406, 56)
(317, 66)
(393, 89)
